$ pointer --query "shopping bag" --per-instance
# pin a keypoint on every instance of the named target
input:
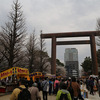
(95, 88)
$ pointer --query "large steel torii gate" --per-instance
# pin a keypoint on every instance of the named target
(90, 34)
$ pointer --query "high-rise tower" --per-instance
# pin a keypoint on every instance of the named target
(71, 62)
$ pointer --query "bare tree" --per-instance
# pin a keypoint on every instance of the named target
(31, 52)
(98, 41)
(43, 56)
(13, 35)
(98, 30)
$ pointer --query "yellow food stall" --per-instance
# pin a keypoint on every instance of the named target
(12, 75)
(21, 72)
(36, 75)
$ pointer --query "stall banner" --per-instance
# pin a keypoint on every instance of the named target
(6, 73)
(21, 70)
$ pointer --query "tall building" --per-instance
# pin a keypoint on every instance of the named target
(71, 62)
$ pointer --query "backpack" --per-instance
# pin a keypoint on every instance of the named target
(43, 85)
(24, 94)
(63, 96)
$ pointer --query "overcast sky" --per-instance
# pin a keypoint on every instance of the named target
(57, 16)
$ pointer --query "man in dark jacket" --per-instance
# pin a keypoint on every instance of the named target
(91, 84)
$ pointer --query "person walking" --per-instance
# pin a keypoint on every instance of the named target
(76, 88)
(50, 86)
(63, 94)
(99, 86)
(87, 83)
(16, 91)
(56, 85)
(91, 84)
(34, 92)
(45, 88)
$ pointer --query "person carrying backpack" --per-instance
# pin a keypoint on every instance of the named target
(45, 85)
(21, 93)
(63, 94)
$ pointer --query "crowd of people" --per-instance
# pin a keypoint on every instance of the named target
(63, 89)
(93, 85)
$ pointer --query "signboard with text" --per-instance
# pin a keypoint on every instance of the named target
(19, 70)
(14, 71)
(6, 73)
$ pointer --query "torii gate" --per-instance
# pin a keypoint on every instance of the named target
(90, 34)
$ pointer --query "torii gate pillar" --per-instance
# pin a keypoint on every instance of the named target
(94, 56)
(53, 56)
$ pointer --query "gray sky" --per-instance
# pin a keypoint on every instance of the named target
(57, 16)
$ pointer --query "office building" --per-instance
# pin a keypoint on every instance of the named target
(71, 62)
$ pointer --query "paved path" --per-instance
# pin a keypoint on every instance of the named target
(93, 97)
(53, 97)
